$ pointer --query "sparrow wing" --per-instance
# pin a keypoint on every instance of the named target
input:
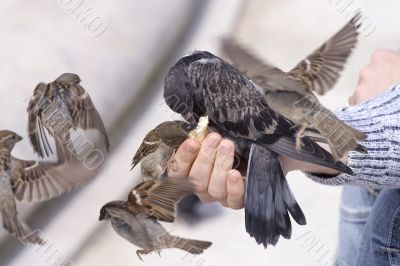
(38, 181)
(241, 57)
(84, 113)
(264, 74)
(36, 131)
(320, 70)
(158, 198)
(149, 145)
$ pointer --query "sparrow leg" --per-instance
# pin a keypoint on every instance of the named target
(140, 252)
(172, 163)
(299, 136)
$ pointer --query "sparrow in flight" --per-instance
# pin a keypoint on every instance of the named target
(137, 220)
(31, 181)
(158, 147)
(61, 106)
(291, 93)
(202, 84)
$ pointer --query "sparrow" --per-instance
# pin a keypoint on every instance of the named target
(29, 181)
(137, 219)
(61, 106)
(202, 84)
(159, 145)
(291, 93)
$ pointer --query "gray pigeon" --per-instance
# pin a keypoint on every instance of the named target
(202, 84)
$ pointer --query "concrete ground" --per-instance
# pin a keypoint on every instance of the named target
(122, 69)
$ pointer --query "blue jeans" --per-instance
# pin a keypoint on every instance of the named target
(369, 232)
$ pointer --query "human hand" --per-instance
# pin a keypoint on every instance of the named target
(209, 168)
(382, 72)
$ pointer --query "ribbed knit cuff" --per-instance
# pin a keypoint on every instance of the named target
(379, 118)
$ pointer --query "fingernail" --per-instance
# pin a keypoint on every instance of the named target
(212, 142)
(224, 150)
(233, 176)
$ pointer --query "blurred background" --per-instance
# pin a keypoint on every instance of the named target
(122, 50)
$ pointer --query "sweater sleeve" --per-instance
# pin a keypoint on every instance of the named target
(379, 118)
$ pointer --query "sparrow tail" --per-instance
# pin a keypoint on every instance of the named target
(19, 229)
(310, 152)
(190, 245)
(341, 137)
(315, 136)
(269, 199)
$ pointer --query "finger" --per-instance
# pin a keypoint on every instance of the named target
(235, 187)
(223, 163)
(201, 170)
(184, 158)
(362, 93)
(224, 203)
(352, 100)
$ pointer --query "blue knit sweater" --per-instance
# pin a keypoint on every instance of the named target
(379, 118)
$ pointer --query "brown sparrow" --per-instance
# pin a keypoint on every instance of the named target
(32, 181)
(290, 94)
(159, 145)
(137, 219)
(61, 106)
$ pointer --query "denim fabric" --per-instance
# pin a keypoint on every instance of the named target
(369, 227)
(356, 204)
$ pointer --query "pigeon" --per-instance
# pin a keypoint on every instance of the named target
(158, 146)
(137, 219)
(61, 106)
(291, 94)
(202, 84)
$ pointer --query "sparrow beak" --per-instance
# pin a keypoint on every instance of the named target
(19, 138)
(103, 214)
